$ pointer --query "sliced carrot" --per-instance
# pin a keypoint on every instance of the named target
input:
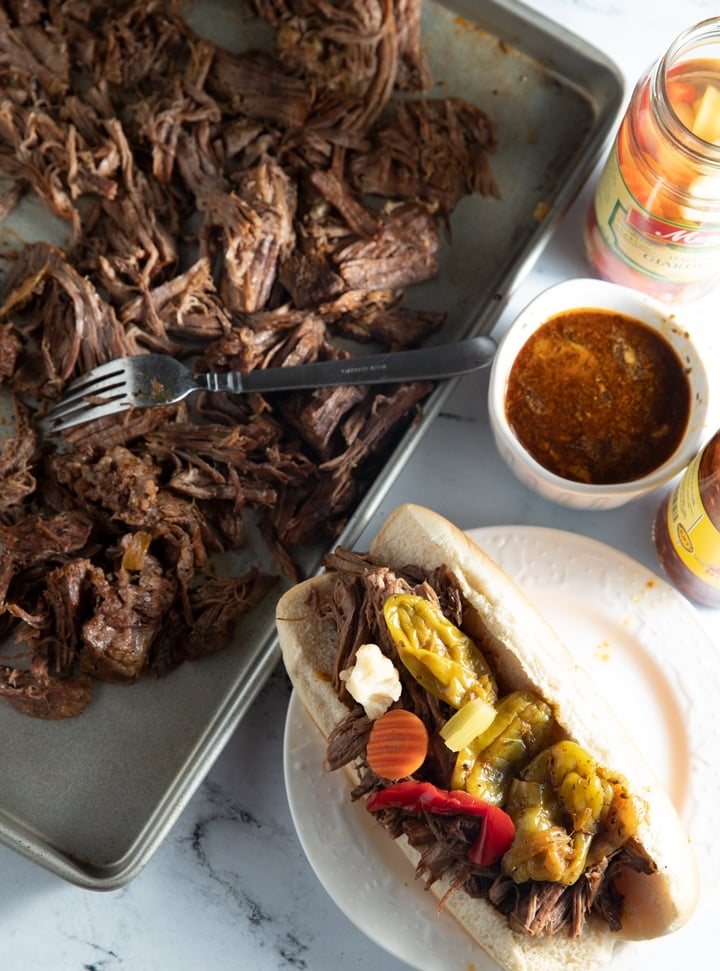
(645, 130)
(680, 92)
(397, 745)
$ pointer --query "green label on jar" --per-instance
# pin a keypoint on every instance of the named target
(676, 252)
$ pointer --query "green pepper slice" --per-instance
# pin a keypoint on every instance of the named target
(521, 728)
(441, 657)
(567, 813)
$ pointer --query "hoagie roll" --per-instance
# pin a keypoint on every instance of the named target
(546, 835)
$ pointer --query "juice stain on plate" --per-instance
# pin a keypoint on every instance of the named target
(603, 651)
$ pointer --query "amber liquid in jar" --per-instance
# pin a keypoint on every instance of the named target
(687, 528)
(654, 224)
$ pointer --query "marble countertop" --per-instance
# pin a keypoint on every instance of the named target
(230, 887)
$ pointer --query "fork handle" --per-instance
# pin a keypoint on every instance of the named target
(425, 363)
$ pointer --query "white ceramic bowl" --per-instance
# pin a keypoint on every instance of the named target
(595, 294)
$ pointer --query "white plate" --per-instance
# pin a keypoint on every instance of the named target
(645, 646)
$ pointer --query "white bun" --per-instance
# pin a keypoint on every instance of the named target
(526, 653)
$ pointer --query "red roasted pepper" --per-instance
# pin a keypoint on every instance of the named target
(498, 829)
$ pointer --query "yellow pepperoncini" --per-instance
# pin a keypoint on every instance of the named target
(560, 804)
(443, 659)
(522, 727)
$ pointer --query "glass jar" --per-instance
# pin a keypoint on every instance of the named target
(654, 223)
(687, 528)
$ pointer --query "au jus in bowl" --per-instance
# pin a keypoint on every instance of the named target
(597, 394)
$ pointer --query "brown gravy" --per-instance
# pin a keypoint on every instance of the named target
(597, 396)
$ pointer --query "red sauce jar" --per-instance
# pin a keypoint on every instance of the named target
(654, 223)
(687, 528)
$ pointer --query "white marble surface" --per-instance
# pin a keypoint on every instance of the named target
(230, 887)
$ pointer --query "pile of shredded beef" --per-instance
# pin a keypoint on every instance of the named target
(354, 605)
(238, 210)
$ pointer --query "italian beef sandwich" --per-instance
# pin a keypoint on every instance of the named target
(486, 753)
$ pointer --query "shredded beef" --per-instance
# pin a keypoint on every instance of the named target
(43, 696)
(18, 463)
(349, 739)
(231, 209)
(39, 538)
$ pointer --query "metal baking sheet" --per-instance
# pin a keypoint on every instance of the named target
(91, 798)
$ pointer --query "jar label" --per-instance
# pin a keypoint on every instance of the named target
(672, 251)
(694, 537)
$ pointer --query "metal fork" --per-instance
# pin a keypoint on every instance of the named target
(146, 380)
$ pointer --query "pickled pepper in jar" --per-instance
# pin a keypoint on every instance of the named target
(654, 223)
(687, 528)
